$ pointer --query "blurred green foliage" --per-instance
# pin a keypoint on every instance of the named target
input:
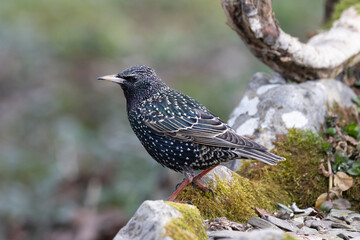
(60, 128)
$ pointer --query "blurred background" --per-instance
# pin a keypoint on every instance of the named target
(70, 166)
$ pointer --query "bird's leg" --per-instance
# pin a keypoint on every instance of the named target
(188, 179)
(203, 173)
(196, 180)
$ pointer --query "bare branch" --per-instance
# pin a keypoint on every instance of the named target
(325, 55)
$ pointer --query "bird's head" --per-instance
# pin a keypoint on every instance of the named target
(138, 83)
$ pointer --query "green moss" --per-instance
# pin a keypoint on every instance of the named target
(289, 237)
(353, 194)
(189, 227)
(236, 200)
(339, 8)
(298, 175)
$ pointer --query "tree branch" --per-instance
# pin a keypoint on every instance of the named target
(324, 56)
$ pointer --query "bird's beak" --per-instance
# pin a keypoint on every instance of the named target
(112, 78)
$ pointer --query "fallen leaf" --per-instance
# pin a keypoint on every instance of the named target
(351, 140)
(334, 193)
(322, 198)
(343, 181)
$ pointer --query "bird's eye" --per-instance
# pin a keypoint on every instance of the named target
(130, 78)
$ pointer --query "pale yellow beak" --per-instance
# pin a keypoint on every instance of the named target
(112, 78)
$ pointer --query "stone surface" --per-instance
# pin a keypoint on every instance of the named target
(286, 225)
(149, 221)
(152, 216)
(349, 234)
(265, 234)
(260, 223)
(321, 225)
(223, 223)
(352, 217)
(307, 231)
(340, 214)
(270, 106)
(224, 174)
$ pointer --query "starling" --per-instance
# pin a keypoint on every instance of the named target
(179, 132)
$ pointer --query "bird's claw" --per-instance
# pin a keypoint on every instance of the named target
(212, 192)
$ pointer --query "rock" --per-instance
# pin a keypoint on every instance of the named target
(153, 220)
(321, 225)
(340, 225)
(296, 209)
(223, 223)
(298, 221)
(329, 237)
(349, 234)
(264, 234)
(352, 217)
(356, 225)
(339, 214)
(285, 212)
(260, 223)
(308, 221)
(224, 174)
(307, 231)
(270, 106)
(281, 223)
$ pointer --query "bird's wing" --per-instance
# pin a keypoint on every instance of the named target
(196, 125)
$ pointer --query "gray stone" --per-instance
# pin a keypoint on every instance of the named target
(344, 232)
(314, 237)
(327, 236)
(352, 217)
(298, 221)
(261, 223)
(149, 221)
(264, 234)
(285, 212)
(307, 231)
(339, 214)
(340, 225)
(270, 107)
(356, 225)
(224, 174)
(296, 209)
(321, 225)
(283, 224)
(223, 223)
(332, 219)
(308, 221)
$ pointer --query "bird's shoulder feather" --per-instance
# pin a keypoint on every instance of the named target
(180, 117)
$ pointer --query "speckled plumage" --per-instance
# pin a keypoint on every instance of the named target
(177, 131)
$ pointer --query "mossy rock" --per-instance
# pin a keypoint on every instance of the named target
(298, 175)
(237, 200)
(262, 186)
(188, 227)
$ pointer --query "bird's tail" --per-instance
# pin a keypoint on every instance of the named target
(263, 156)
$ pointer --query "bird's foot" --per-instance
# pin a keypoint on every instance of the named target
(202, 187)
